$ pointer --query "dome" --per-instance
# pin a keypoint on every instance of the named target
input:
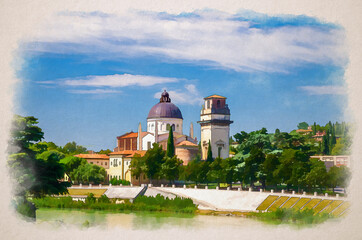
(165, 109)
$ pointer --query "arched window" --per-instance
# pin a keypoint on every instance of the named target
(168, 127)
(173, 127)
(218, 103)
(208, 104)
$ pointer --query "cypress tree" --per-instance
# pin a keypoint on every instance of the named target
(325, 145)
(314, 128)
(170, 152)
(209, 153)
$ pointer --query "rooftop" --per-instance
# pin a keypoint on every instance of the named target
(93, 156)
(129, 153)
(215, 96)
(186, 143)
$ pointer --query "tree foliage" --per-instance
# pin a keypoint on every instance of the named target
(170, 151)
(209, 157)
(303, 125)
(33, 169)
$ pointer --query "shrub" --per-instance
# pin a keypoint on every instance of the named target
(90, 199)
(104, 199)
(142, 203)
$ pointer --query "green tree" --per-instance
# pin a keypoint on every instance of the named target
(32, 175)
(154, 158)
(228, 166)
(170, 169)
(107, 151)
(314, 128)
(294, 164)
(71, 163)
(202, 175)
(303, 125)
(325, 145)
(338, 176)
(209, 157)
(253, 164)
(89, 173)
(170, 151)
(71, 148)
(269, 166)
(216, 172)
(317, 176)
(138, 166)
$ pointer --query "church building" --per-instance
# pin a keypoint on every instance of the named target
(161, 117)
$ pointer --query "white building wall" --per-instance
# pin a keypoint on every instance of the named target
(215, 133)
(162, 125)
(146, 139)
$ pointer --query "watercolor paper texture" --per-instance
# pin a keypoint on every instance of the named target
(92, 71)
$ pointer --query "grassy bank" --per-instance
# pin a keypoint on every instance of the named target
(290, 216)
(142, 203)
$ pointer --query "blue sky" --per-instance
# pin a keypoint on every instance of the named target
(89, 77)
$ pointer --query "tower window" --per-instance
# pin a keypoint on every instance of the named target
(218, 103)
(208, 104)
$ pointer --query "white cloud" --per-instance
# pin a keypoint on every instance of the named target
(212, 39)
(116, 80)
(324, 90)
(189, 95)
(94, 91)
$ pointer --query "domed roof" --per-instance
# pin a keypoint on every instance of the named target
(165, 109)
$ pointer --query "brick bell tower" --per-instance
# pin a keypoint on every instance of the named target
(215, 126)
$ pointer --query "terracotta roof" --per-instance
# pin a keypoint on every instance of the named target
(94, 156)
(304, 130)
(129, 153)
(186, 143)
(132, 135)
(215, 96)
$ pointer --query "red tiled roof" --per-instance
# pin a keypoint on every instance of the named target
(186, 143)
(132, 135)
(129, 153)
(92, 156)
(304, 130)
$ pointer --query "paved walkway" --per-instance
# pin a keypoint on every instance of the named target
(123, 192)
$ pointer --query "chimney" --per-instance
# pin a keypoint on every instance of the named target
(139, 136)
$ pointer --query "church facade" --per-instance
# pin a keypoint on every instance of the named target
(161, 117)
(215, 126)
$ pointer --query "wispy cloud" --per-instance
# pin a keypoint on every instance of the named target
(93, 91)
(206, 38)
(116, 80)
(188, 95)
(324, 90)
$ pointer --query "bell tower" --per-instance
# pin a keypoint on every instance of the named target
(215, 126)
